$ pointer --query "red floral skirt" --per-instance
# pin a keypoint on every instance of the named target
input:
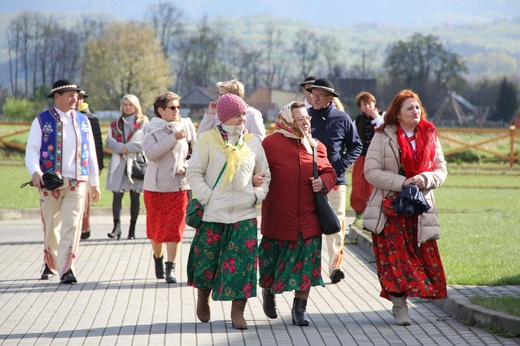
(165, 215)
(402, 266)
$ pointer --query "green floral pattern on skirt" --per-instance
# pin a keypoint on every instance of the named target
(290, 265)
(224, 257)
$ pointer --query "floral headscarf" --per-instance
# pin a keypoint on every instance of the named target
(286, 125)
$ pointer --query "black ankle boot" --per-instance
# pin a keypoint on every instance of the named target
(299, 312)
(116, 231)
(131, 230)
(170, 273)
(159, 269)
(269, 303)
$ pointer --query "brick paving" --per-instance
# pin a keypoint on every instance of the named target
(118, 300)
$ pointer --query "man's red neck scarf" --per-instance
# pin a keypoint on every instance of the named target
(422, 159)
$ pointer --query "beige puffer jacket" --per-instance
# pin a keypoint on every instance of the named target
(382, 170)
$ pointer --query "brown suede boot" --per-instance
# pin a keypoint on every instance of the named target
(237, 314)
(203, 311)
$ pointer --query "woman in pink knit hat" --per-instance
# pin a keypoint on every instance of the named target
(229, 174)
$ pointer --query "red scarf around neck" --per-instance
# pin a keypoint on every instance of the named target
(422, 159)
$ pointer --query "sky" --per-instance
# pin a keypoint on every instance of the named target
(326, 14)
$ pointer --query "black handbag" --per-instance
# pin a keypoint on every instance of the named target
(51, 181)
(139, 168)
(139, 165)
(328, 219)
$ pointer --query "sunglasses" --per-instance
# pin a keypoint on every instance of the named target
(174, 107)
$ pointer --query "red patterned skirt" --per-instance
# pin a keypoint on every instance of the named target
(402, 266)
(165, 215)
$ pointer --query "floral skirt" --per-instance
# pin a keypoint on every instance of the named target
(223, 257)
(290, 265)
(165, 215)
(402, 266)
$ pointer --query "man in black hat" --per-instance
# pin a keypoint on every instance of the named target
(60, 140)
(307, 83)
(335, 129)
(83, 107)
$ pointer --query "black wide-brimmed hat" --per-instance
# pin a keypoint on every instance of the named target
(63, 85)
(323, 84)
(308, 80)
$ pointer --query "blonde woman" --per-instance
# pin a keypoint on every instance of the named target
(124, 139)
(254, 120)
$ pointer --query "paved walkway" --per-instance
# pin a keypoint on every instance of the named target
(118, 301)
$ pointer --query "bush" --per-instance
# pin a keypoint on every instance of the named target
(21, 109)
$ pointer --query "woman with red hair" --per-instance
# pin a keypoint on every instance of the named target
(405, 150)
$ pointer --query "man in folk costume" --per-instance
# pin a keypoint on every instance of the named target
(61, 141)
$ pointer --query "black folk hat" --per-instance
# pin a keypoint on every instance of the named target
(323, 84)
(63, 85)
(83, 93)
(308, 80)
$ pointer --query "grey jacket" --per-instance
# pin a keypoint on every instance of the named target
(382, 170)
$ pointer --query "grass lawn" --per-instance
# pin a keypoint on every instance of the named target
(508, 305)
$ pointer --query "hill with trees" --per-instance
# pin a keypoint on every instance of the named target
(262, 51)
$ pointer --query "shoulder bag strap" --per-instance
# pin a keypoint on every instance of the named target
(220, 175)
(315, 160)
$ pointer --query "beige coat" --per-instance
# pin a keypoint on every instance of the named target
(158, 143)
(382, 170)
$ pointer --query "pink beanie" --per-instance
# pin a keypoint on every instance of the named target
(228, 106)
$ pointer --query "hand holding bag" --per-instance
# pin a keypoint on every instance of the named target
(51, 181)
(139, 164)
(328, 219)
(195, 209)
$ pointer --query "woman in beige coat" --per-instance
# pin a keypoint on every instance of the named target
(166, 141)
(405, 150)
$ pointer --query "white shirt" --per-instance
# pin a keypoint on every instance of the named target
(68, 161)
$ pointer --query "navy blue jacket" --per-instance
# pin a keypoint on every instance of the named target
(336, 130)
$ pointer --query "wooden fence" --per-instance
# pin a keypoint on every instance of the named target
(14, 135)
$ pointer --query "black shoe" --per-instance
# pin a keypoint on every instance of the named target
(131, 230)
(269, 304)
(159, 268)
(299, 312)
(68, 278)
(336, 276)
(85, 235)
(116, 231)
(47, 273)
(170, 273)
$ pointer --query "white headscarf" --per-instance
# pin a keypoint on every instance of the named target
(286, 125)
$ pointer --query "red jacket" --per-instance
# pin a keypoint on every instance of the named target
(290, 207)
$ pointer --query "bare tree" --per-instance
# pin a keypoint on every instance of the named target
(165, 19)
(276, 58)
(198, 58)
(13, 41)
(331, 49)
(306, 47)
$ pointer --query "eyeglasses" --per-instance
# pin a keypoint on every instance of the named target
(302, 120)
(320, 96)
(174, 107)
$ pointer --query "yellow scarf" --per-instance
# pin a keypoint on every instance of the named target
(235, 154)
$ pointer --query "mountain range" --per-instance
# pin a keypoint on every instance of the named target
(332, 13)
